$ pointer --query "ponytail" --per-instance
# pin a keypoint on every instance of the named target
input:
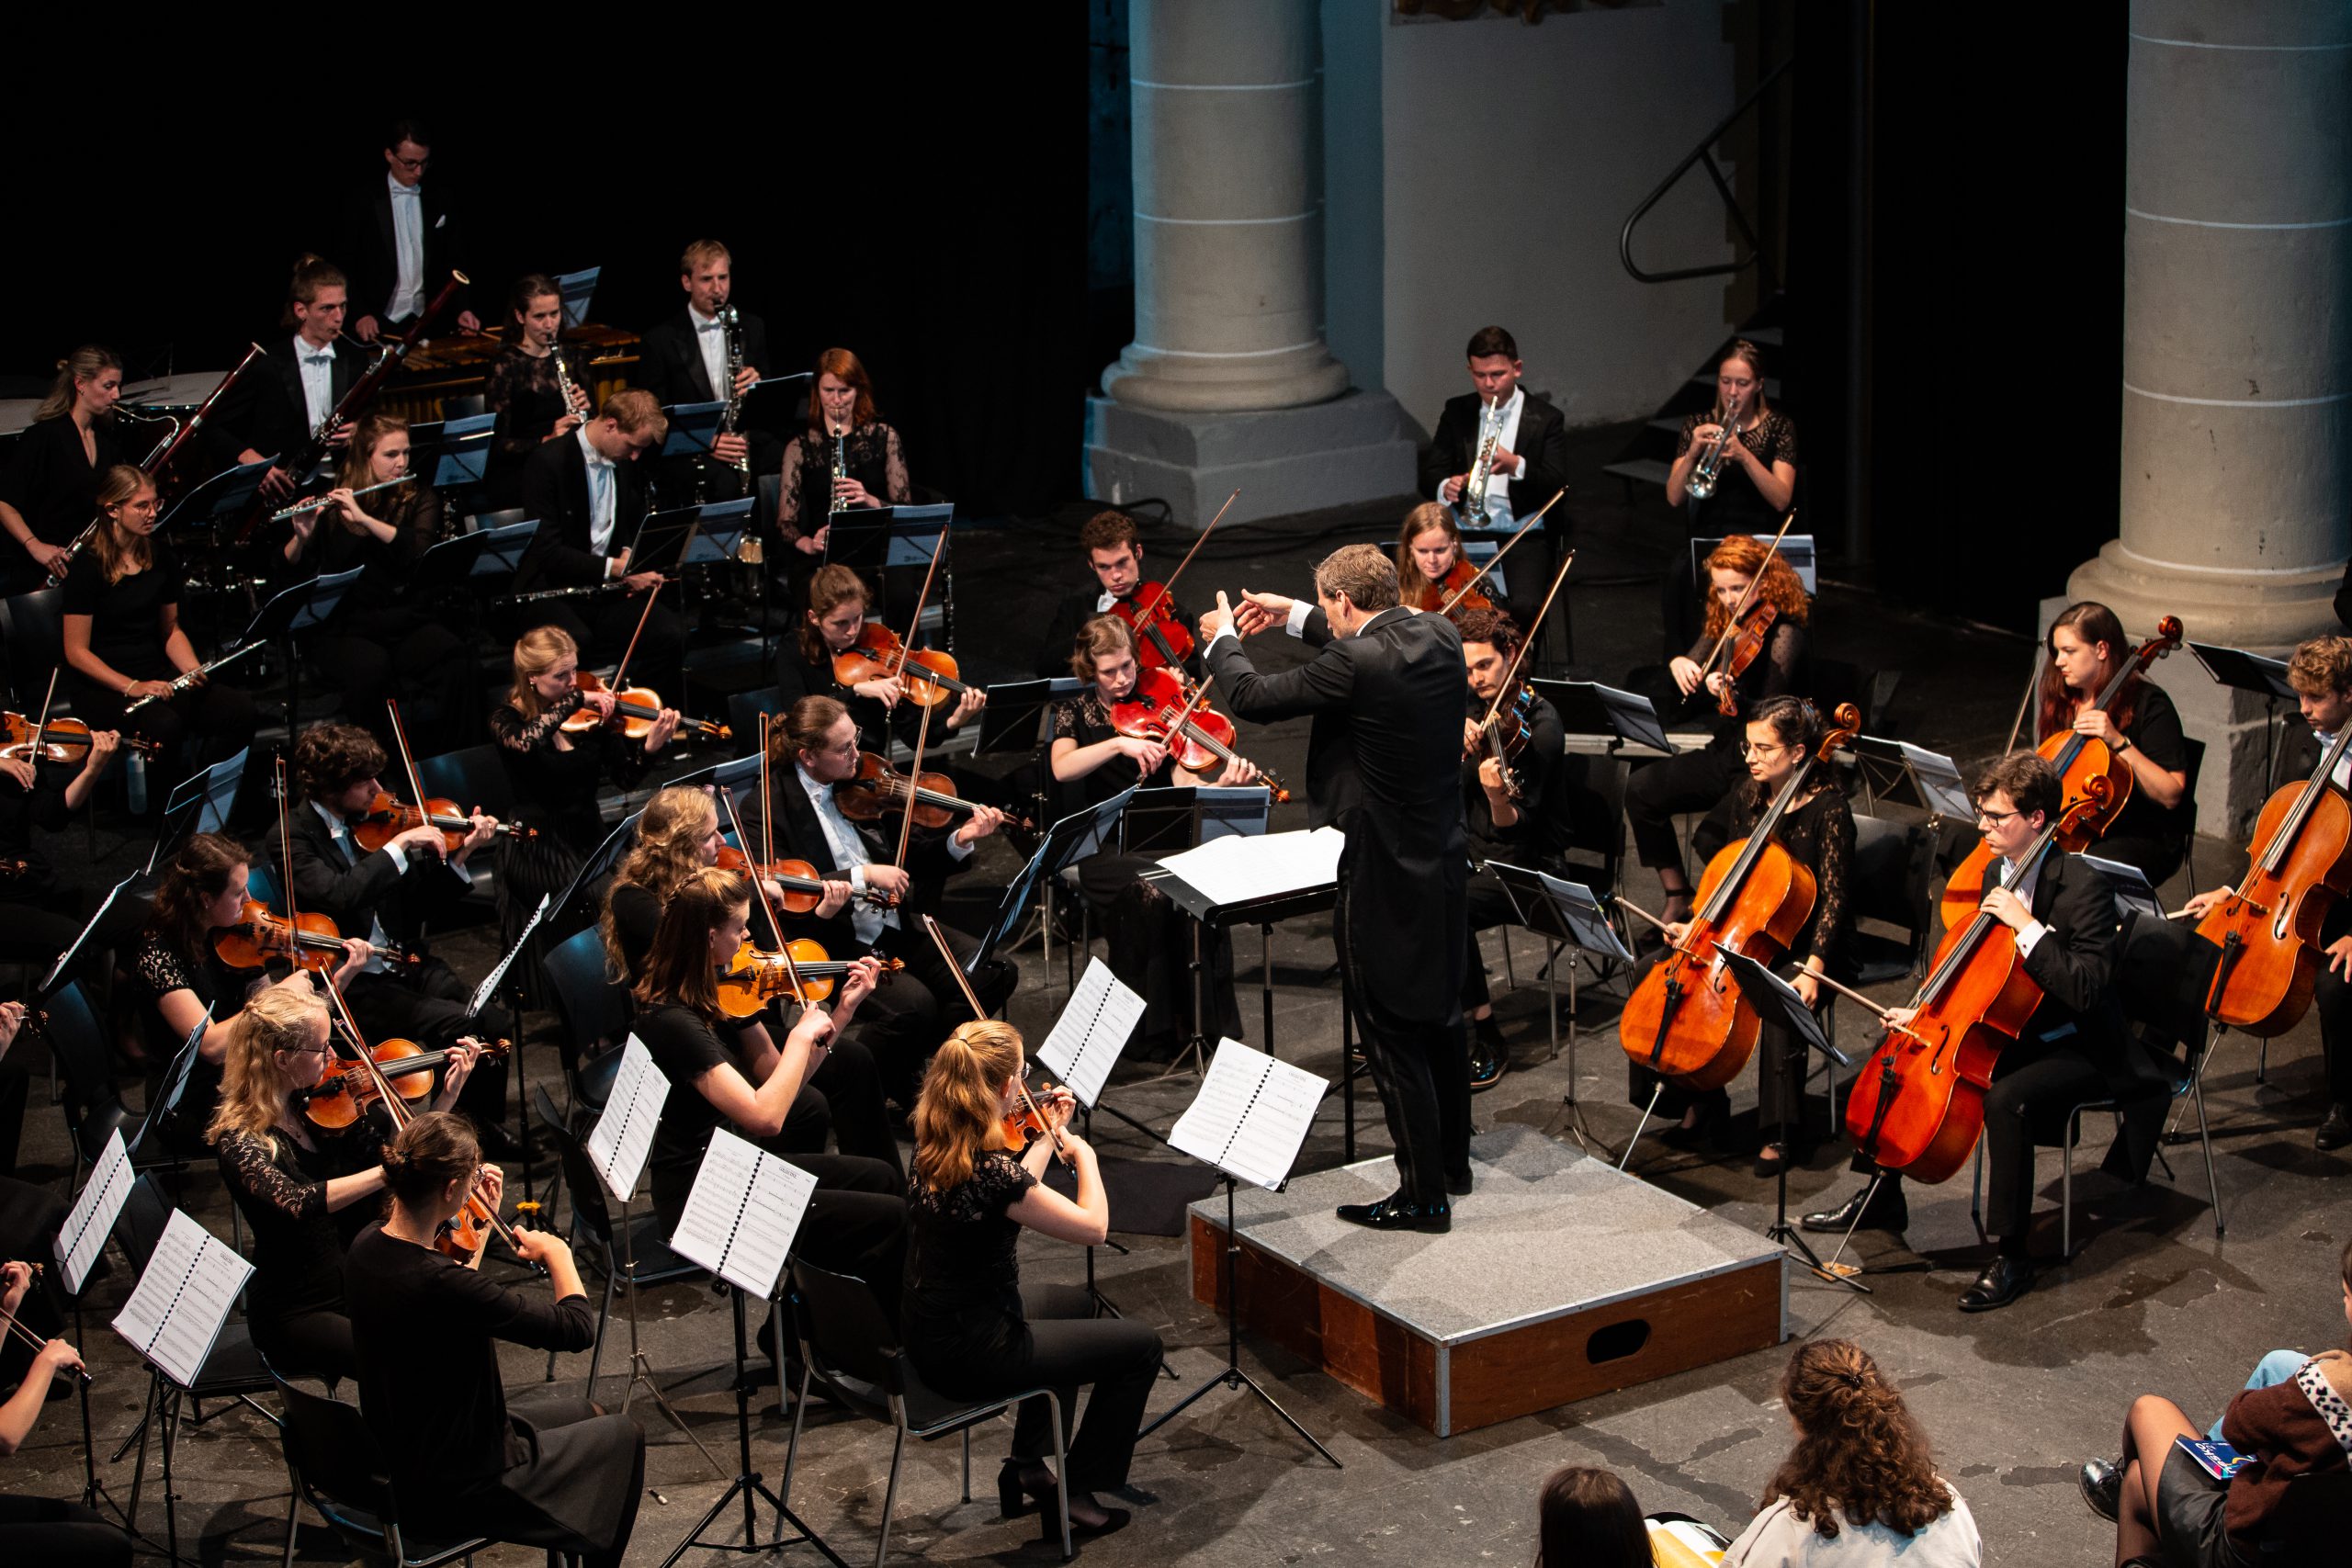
(958, 1107)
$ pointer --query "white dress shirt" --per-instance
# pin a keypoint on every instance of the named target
(2343, 774)
(604, 495)
(378, 937)
(408, 246)
(1499, 507)
(711, 338)
(849, 854)
(317, 366)
(2023, 886)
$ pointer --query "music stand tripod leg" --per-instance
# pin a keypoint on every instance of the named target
(1194, 1058)
(640, 1369)
(1787, 1237)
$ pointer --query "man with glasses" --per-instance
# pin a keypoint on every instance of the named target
(400, 241)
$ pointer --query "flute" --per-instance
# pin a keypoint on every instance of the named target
(319, 501)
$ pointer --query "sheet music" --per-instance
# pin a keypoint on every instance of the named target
(623, 1135)
(51, 981)
(182, 1299)
(742, 1213)
(1237, 870)
(166, 1099)
(489, 987)
(1250, 1116)
(1093, 1029)
(1938, 778)
(2130, 884)
(1581, 911)
(91, 1221)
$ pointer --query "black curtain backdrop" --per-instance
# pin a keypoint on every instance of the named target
(913, 189)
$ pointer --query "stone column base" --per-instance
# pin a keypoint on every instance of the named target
(1353, 448)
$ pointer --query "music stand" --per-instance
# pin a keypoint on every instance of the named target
(1014, 721)
(577, 288)
(217, 499)
(1065, 843)
(1932, 778)
(297, 609)
(1795, 548)
(693, 428)
(2261, 677)
(1567, 915)
(502, 548)
(2130, 884)
(104, 928)
(875, 538)
(76, 1247)
(455, 453)
(210, 792)
(703, 534)
(1588, 707)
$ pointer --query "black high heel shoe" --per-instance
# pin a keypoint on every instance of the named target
(1049, 1524)
(1019, 1479)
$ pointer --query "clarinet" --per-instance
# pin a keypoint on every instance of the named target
(840, 466)
(572, 399)
(734, 322)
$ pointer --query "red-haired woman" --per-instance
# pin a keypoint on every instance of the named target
(871, 470)
(2087, 647)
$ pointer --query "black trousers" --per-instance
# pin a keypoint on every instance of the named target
(430, 1009)
(906, 1020)
(579, 1492)
(1490, 905)
(1659, 791)
(1422, 1071)
(47, 1531)
(848, 1087)
(1781, 1068)
(217, 720)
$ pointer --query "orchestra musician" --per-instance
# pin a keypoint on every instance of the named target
(589, 496)
(297, 1184)
(272, 411)
(1527, 831)
(2073, 1049)
(400, 238)
(379, 644)
(1114, 552)
(1817, 830)
(1429, 553)
(837, 604)
(123, 638)
(524, 390)
(683, 359)
(1695, 781)
(976, 1329)
(50, 486)
(47, 1531)
(1756, 476)
(1383, 766)
(873, 467)
(544, 1470)
(1529, 462)
(36, 906)
(1150, 939)
(388, 895)
(2087, 647)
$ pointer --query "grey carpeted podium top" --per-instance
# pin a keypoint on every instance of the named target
(1549, 1230)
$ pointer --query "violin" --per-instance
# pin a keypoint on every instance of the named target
(1159, 632)
(635, 709)
(62, 740)
(1161, 709)
(1503, 735)
(310, 940)
(2267, 927)
(1688, 1020)
(2077, 758)
(387, 817)
(1918, 1103)
(1028, 1121)
(879, 788)
(803, 888)
(1748, 634)
(343, 1095)
(755, 977)
(1454, 592)
(928, 675)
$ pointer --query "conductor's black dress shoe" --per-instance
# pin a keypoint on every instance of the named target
(1394, 1214)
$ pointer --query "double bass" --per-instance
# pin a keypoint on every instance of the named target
(2267, 927)
(1688, 1020)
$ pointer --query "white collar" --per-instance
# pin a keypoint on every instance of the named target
(589, 448)
(399, 190)
(816, 788)
(304, 350)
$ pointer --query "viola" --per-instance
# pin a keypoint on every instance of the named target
(62, 740)
(310, 940)
(1917, 1105)
(755, 977)
(1160, 637)
(1688, 1020)
(1747, 636)
(803, 888)
(2077, 758)
(2267, 927)
(928, 675)
(1201, 738)
(387, 817)
(879, 787)
(1504, 736)
(1430, 597)
(635, 708)
(348, 1089)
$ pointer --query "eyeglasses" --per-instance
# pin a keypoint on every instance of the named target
(414, 165)
(1749, 749)
(1994, 818)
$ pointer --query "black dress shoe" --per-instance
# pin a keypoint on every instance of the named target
(1393, 1213)
(2336, 1132)
(1489, 1057)
(2102, 1486)
(1888, 1211)
(2003, 1282)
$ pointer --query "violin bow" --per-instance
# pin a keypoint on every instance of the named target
(42, 723)
(767, 801)
(914, 788)
(630, 652)
(1746, 594)
(1527, 640)
(914, 622)
(1168, 583)
(954, 967)
(286, 864)
(759, 891)
(1456, 596)
(408, 758)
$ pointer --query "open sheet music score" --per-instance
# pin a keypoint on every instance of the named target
(1237, 870)
(489, 987)
(742, 1213)
(1250, 1116)
(182, 1299)
(1092, 1029)
(623, 1135)
(83, 1235)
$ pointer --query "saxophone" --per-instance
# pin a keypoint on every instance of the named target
(1473, 488)
(728, 421)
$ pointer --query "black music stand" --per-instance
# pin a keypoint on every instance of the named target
(693, 428)
(1588, 707)
(1795, 548)
(109, 926)
(453, 453)
(577, 289)
(1567, 915)
(204, 800)
(873, 539)
(1908, 774)
(1013, 722)
(1264, 912)
(2261, 677)
(218, 498)
(502, 550)
(1065, 843)
(297, 609)
(93, 1490)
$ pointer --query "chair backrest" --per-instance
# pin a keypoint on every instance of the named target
(475, 778)
(2181, 820)
(594, 1009)
(329, 1445)
(32, 628)
(578, 1172)
(848, 1330)
(80, 1047)
(1891, 863)
(744, 708)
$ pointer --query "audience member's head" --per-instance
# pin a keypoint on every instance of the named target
(1587, 1519)
(1858, 1454)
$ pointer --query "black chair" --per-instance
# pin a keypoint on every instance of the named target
(338, 1469)
(475, 778)
(32, 628)
(476, 522)
(2182, 818)
(743, 711)
(846, 1339)
(595, 1011)
(1592, 803)
(94, 1108)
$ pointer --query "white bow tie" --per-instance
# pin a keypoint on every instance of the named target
(702, 326)
(410, 192)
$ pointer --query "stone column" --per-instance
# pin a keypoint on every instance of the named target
(2237, 350)
(1228, 270)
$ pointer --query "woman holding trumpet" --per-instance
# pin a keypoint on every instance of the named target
(1734, 472)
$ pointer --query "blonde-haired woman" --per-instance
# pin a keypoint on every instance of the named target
(292, 1180)
(975, 1330)
(49, 489)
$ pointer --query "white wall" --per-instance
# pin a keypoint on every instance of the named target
(1509, 157)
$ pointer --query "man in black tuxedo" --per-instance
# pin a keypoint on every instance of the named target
(1114, 552)
(401, 240)
(588, 493)
(275, 406)
(2074, 1049)
(388, 895)
(1530, 461)
(683, 359)
(1382, 759)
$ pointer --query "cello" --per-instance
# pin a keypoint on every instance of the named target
(1688, 1021)
(1917, 1106)
(2267, 927)
(2077, 758)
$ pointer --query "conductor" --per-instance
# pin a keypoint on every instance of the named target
(1385, 688)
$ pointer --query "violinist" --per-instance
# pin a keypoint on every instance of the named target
(2087, 648)
(2071, 1049)
(589, 495)
(976, 1329)
(1114, 552)
(846, 456)
(829, 625)
(123, 638)
(49, 489)
(544, 1470)
(1431, 566)
(1756, 470)
(1510, 809)
(1817, 830)
(37, 906)
(1150, 939)
(46, 1530)
(524, 389)
(297, 1184)
(1695, 781)
(388, 895)
(379, 646)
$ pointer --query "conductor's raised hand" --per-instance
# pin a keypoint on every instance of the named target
(1260, 611)
(1216, 621)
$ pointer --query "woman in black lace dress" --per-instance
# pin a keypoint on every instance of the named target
(1817, 829)
(1754, 482)
(524, 390)
(975, 1330)
(1150, 939)
(297, 1184)
(873, 470)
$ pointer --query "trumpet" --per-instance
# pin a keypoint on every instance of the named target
(1701, 483)
(1481, 470)
(318, 501)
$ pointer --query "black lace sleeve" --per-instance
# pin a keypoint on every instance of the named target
(249, 1165)
(161, 969)
(1833, 916)
(998, 1181)
(1785, 654)
(519, 733)
(788, 494)
(894, 468)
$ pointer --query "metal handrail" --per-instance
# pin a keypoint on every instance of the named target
(1703, 154)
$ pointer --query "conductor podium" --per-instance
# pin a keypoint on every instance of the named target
(1562, 1279)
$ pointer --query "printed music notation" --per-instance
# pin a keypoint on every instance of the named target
(623, 1135)
(91, 1221)
(184, 1297)
(1251, 1115)
(1093, 1029)
(742, 1213)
